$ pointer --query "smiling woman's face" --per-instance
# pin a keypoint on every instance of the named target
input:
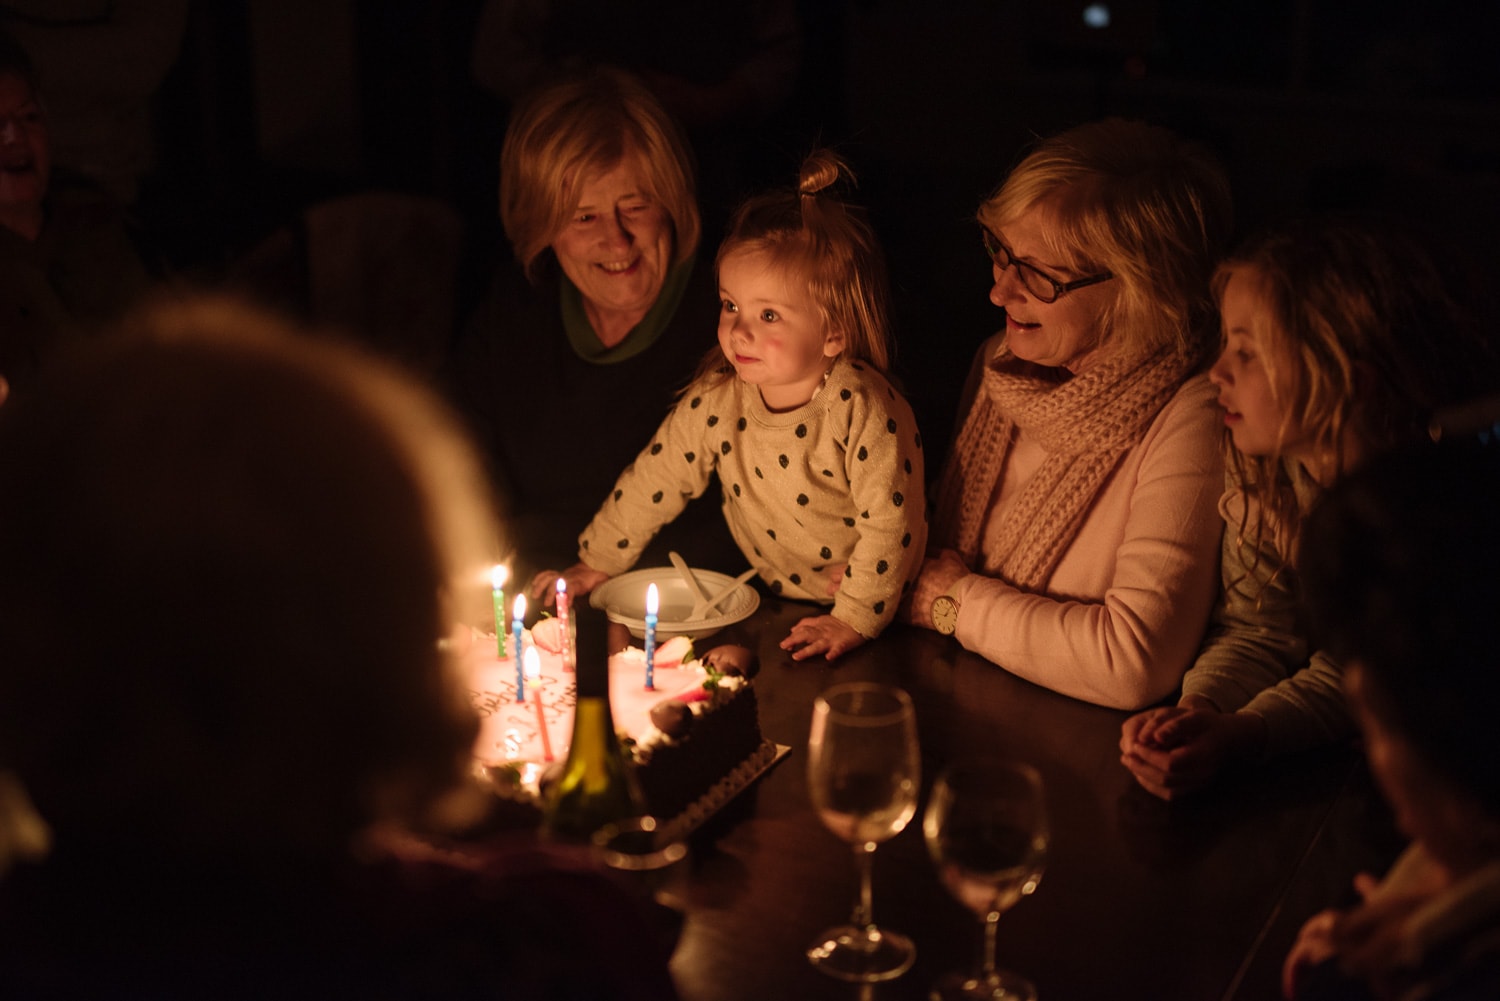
(617, 247)
(1061, 334)
(25, 152)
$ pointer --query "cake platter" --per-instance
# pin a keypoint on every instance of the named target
(623, 599)
(719, 795)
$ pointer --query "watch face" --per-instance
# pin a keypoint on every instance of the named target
(944, 614)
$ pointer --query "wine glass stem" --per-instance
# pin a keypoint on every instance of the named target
(987, 969)
(864, 854)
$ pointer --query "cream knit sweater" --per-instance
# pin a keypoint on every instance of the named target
(836, 481)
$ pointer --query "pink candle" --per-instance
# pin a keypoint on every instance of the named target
(568, 659)
(533, 663)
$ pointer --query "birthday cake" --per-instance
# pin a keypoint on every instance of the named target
(694, 737)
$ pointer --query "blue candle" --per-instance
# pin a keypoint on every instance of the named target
(652, 604)
(516, 625)
(498, 575)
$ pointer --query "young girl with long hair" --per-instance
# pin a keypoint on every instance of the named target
(1340, 341)
(818, 455)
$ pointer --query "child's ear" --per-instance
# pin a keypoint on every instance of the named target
(833, 344)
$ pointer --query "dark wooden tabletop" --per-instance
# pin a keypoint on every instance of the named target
(1141, 899)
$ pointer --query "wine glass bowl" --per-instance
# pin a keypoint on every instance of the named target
(863, 775)
(986, 830)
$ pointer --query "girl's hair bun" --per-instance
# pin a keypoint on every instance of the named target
(821, 171)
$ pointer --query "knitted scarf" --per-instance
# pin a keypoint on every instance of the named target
(1086, 424)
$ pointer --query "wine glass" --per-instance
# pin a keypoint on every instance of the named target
(986, 829)
(863, 772)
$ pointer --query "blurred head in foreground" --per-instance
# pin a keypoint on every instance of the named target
(226, 555)
(1401, 582)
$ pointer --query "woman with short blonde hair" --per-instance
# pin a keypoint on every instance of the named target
(581, 126)
(1075, 528)
(587, 343)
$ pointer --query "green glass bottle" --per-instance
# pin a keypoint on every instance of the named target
(596, 785)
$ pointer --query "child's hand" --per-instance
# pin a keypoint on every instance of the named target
(1176, 751)
(835, 575)
(821, 634)
(581, 579)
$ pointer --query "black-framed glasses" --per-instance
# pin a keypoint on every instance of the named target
(1042, 286)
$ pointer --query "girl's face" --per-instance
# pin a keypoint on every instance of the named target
(771, 330)
(1254, 405)
(1060, 334)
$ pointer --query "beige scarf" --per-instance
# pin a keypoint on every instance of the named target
(1086, 424)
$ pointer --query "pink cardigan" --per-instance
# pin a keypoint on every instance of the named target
(1127, 607)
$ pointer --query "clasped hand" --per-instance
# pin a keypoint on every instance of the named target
(1176, 750)
(1367, 939)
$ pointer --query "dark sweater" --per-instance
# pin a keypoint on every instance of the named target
(557, 430)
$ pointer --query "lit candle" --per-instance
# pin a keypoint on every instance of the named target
(516, 625)
(498, 576)
(568, 658)
(533, 662)
(653, 602)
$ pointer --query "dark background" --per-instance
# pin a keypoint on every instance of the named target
(270, 106)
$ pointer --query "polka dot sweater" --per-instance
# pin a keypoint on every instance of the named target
(836, 481)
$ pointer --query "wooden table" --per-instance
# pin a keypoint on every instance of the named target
(1141, 899)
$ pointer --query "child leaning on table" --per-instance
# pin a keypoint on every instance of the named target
(1340, 341)
(818, 455)
(1401, 584)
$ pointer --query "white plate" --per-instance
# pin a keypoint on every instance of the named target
(623, 599)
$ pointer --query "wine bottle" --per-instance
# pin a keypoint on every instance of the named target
(596, 786)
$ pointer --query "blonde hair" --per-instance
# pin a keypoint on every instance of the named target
(275, 531)
(816, 237)
(586, 125)
(1141, 203)
(1360, 335)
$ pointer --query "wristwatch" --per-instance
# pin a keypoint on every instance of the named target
(944, 614)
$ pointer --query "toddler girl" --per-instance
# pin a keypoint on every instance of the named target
(818, 456)
(1339, 342)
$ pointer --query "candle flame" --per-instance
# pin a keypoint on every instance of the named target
(562, 586)
(519, 608)
(653, 600)
(499, 574)
(532, 663)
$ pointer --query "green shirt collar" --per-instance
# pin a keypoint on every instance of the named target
(585, 341)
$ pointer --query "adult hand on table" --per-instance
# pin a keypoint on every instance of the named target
(821, 634)
(1176, 750)
(581, 579)
(938, 575)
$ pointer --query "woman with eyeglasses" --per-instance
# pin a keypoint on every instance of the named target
(1075, 535)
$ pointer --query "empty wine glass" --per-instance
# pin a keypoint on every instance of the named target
(986, 829)
(863, 772)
